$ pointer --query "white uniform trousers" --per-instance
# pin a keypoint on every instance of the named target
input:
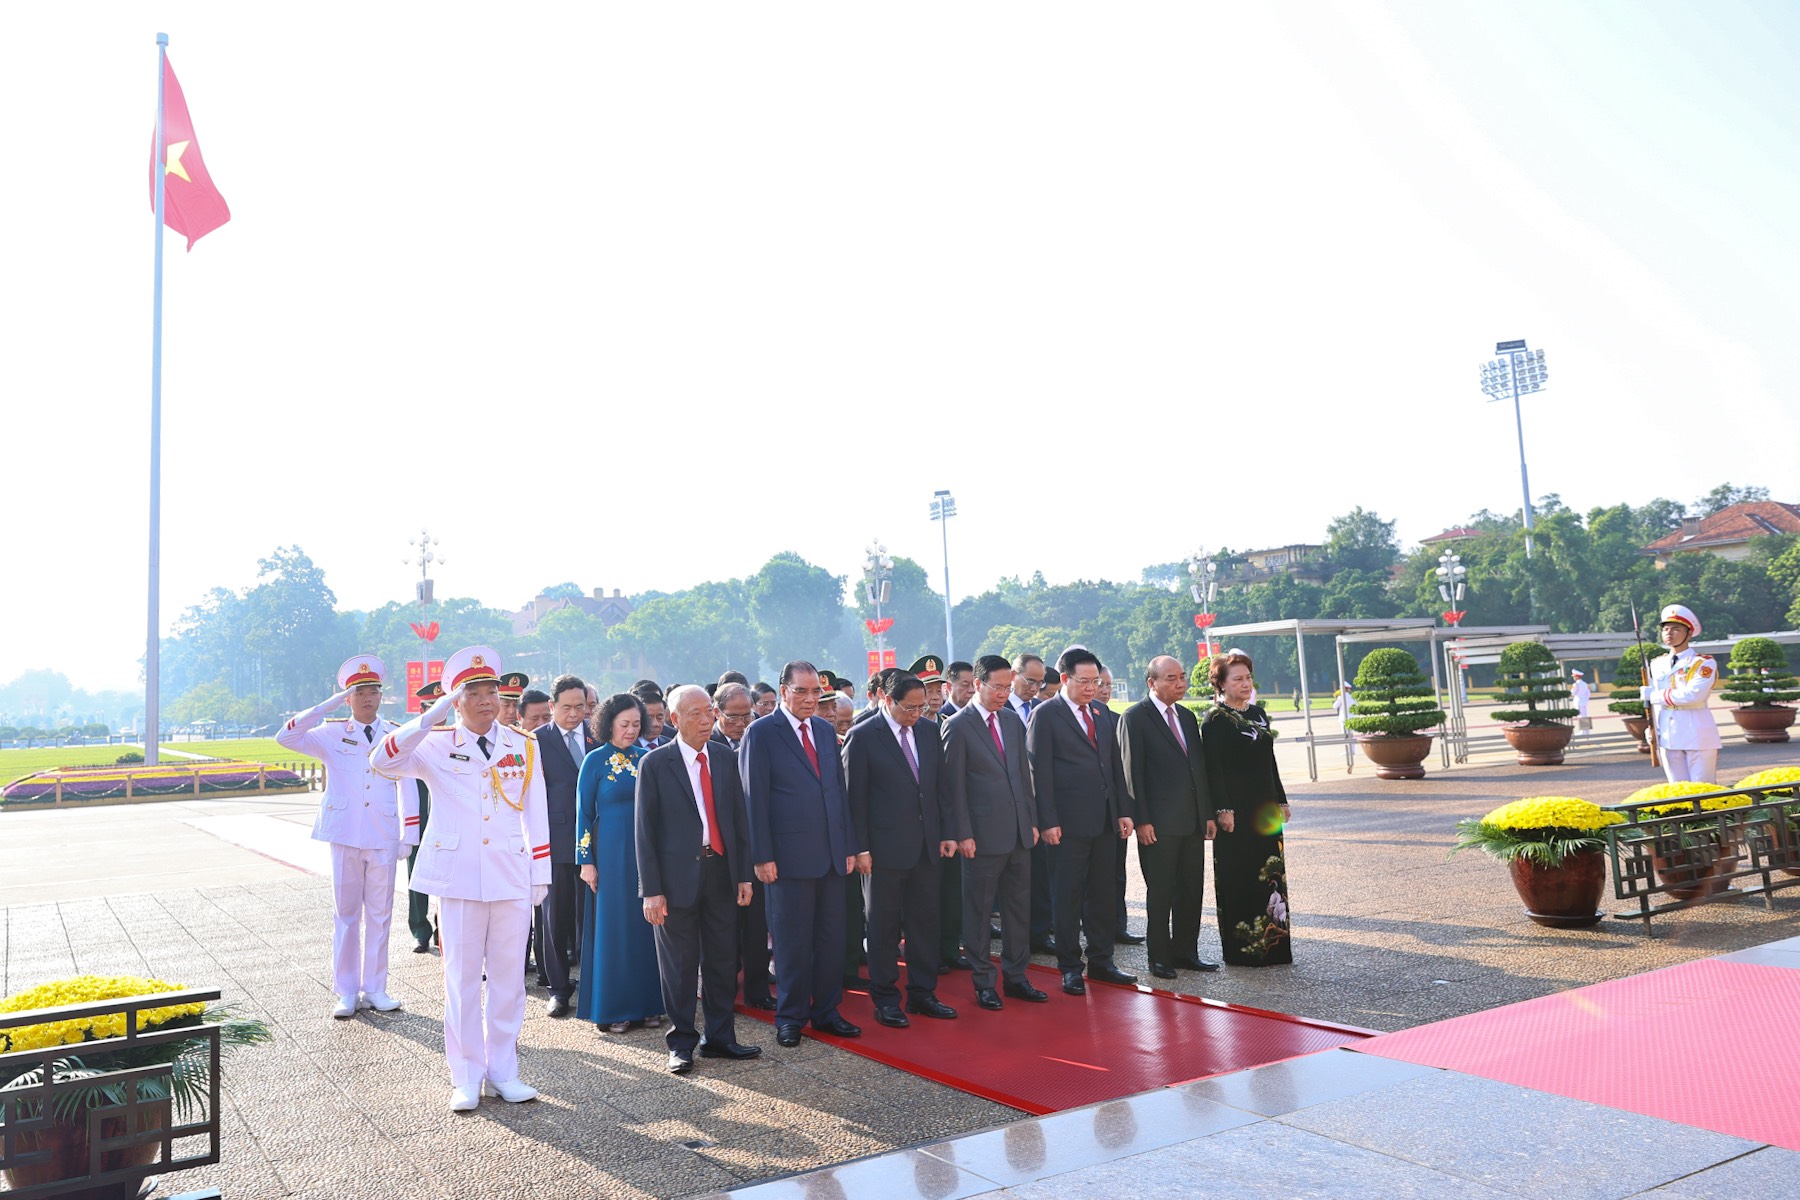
(1682, 766)
(474, 933)
(362, 891)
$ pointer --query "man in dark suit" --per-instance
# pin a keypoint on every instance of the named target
(891, 764)
(959, 680)
(1023, 700)
(655, 706)
(993, 817)
(693, 860)
(1165, 777)
(1083, 812)
(803, 846)
(562, 744)
(736, 710)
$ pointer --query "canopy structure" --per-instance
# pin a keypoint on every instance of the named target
(1785, 637)
(1299, 629)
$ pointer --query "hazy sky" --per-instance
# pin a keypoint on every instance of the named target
(617, 294)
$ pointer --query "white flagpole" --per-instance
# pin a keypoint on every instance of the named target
(152, 651)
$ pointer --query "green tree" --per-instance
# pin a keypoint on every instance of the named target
(1724, 496)
(692, 636)
(796, 608)
(563, 591)
(291, 626)
(1361, 541)
(568, 639)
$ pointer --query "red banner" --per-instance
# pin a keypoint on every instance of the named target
(418, 674)
(879, 659)
(1206, 649)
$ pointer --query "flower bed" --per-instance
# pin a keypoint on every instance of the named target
(86, 989)
(78, 785)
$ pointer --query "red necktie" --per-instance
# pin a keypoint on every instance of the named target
(812, 755)
(994, 728)
(713, 838)
(1088, 717)
(1175, 727)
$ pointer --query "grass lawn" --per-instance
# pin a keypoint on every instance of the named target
(15, 764)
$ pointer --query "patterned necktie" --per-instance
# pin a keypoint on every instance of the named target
(994, 728)
(812, 755)
(906, 746)
(1175, 727)
(483, 743)
(1088, 719)
(713, 838)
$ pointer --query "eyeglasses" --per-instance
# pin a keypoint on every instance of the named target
(726, 716)
(797, 691)
(914, 709)
(994, 686)
(1087, 681)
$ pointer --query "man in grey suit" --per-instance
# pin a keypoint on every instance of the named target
(693, 859)
(987, 789)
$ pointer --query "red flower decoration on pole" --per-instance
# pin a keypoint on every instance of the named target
(428, 632)
(1202, 620)
(878, 627)
(1452, 617)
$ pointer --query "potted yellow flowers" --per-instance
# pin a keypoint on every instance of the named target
(1691, 859)
(1778, 782)
(179, 1089)
(1555, 848)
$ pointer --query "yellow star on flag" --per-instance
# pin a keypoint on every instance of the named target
(176, 150)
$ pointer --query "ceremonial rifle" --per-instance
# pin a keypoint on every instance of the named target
(1644, 675)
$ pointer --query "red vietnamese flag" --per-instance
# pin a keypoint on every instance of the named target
(192, 206)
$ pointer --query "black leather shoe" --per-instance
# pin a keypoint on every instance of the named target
(1196, 964)
(728, 1050)
(765, 1003)
(1127, 939)
(1110, 974)
(994, 933)
(961, 963)
(988, 998)
(931, 1006)
(1047, 946)
(559, 1007)
(1072, 983)
(422, 946)
(787, 1035)
(1024, 991)
(855, 983)
(680, 1063)
(1162, 970)
(892, 1017)
(838, 1027)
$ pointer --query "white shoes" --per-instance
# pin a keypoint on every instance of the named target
(346, 1008)
(512, 1091)
(462, 1100)
(380, 1001)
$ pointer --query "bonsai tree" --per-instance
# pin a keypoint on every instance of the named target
(1529, 674)
(1630, 677)
(1759, 675)
(1393, 697)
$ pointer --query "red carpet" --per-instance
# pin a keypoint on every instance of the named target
(1077, 1050)
(1706, 1043)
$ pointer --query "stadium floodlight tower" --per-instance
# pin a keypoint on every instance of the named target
(1516, 371)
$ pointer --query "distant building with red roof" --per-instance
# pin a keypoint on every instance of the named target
(1729, 533)
(1461, 533)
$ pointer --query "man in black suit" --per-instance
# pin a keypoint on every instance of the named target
(736, 711)
(1165, 777)
(1083, 812)
(562, 744)
(693, 860)
(993, 817)
(891, 764)
(802, 846)
(1023, 700)
(959, 680)
(655, 706)
(959, 688)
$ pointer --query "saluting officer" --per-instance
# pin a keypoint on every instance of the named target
(512, 690)
(1681, 684)
(358, 817)
(485, 854)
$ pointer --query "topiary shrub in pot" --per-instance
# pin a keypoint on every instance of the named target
(1539, 732)
(1394, 706)
(1626, 682)
(1760, 683)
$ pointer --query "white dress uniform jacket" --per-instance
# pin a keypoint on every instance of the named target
(360, 807)
(1680, 686)
(477, 844)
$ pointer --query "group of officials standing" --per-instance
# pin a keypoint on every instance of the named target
(958, 795)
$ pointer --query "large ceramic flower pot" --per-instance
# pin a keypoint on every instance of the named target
(67, 1142)
(1396, 756)
(1636, 727)
(1764, 724)
(1539, 745)
(1700, 870)
(1566, 896)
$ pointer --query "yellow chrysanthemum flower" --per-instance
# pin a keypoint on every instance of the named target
(1552, 812)
(1684, 791)
(1782, 778)
(86, 989)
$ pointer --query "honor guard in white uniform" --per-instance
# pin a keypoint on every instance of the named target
(357, 817)
(1681, 684)
(485, 854)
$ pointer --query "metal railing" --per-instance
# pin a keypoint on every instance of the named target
(32, 1112)
(1670, 860)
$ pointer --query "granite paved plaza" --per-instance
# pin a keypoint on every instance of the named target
(1389, 933)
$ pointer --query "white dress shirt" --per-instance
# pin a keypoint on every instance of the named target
(691, 756)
